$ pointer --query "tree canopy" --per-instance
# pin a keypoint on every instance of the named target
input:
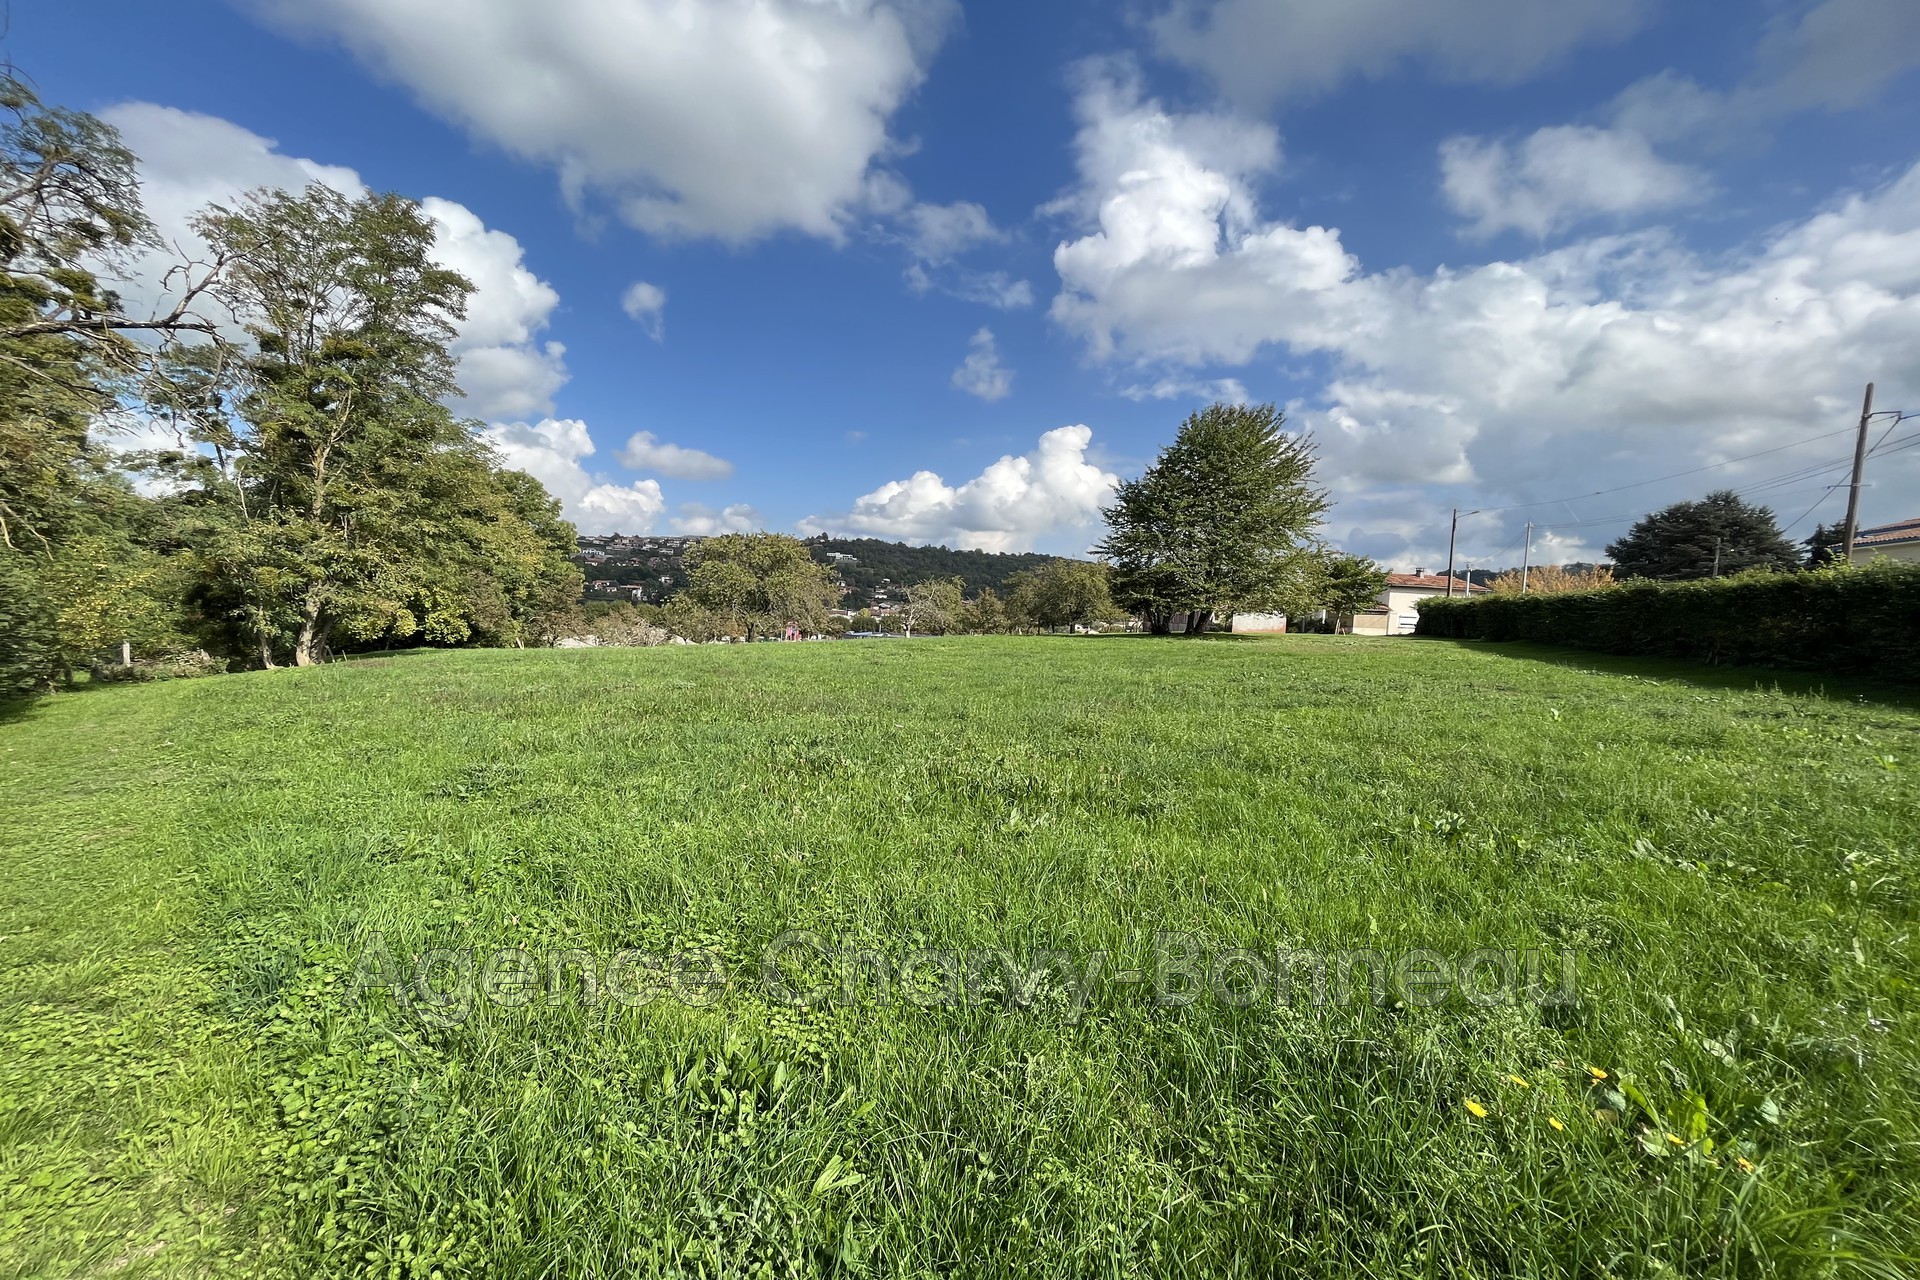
(1825, 545)
(1221, 523)
(1349, 583)
(1062, 593)
(760, 582)
(323, 493)
(1689, 539)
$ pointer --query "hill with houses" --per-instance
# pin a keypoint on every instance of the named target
(650, 567)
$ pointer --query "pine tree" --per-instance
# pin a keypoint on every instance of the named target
(1695, 539)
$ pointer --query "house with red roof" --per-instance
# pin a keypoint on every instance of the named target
(1897, 541)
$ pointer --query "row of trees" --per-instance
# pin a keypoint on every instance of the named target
(754, 585)
(323, 493)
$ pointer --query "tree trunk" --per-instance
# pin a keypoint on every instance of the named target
(306, 647)
(1198, 620)
(1159, 624)
(266, 654)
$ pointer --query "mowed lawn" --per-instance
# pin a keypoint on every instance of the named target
(191, 874)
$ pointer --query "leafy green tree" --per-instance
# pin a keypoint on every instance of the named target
(761, 581)
(985, 615)
(70, 356)
(1695, 539)
(357, 506)
(1062, 593)
(934, 605)
(689, 620)
(1348, 584)
(1221, 523)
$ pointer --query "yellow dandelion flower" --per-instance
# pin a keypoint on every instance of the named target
(1746, 1165)
(1479, 1112)
(1555, 1122)
(1517, 1080)
(1596, 1073)
(1676, 1140)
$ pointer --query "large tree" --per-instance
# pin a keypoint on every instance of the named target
(761, 581)
(1720, 533)
(74, 574)
(1221, 523)
(933, 605)
(986, 614)
(356, 505)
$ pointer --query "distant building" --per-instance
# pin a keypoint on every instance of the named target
(1397, 613)
(1897, 541)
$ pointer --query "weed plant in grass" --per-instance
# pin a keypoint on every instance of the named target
(193, 1080)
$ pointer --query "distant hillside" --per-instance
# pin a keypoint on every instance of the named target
(654, 565)
(874, 562)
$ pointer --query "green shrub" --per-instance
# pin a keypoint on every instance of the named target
(1862, 621)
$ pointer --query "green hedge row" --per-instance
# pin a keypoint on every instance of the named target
(1863, 621)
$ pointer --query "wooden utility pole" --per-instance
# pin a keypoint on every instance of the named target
(1526, 555)
(1859, 464)
(1452, 529)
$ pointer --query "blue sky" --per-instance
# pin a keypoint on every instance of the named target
(941, 271)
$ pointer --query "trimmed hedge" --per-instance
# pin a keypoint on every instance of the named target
(1860, 621)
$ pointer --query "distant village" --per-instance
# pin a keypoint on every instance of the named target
(649, 568)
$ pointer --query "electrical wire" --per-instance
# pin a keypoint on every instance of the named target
(1547, 502)
(1776, 486)
(1827, 493)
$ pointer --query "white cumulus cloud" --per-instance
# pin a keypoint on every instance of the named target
(981, 373)
(551, 451)
(697, 520)
(1558, 176)
(726, 118)
(188, 161)
(938, 232)
(645, 451)
(646, 305)
(1016, 502)
(1607, 361)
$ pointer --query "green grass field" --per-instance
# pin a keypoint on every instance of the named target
(194, 1081)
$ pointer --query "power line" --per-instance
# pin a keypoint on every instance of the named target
(1548, 502)
(1825, 494)
(1778, 486)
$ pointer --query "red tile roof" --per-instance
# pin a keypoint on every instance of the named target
(1431, 582)
(1882, 535)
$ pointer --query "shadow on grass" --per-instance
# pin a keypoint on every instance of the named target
(1810, 684)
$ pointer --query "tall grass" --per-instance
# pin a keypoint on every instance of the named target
(194, 872)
